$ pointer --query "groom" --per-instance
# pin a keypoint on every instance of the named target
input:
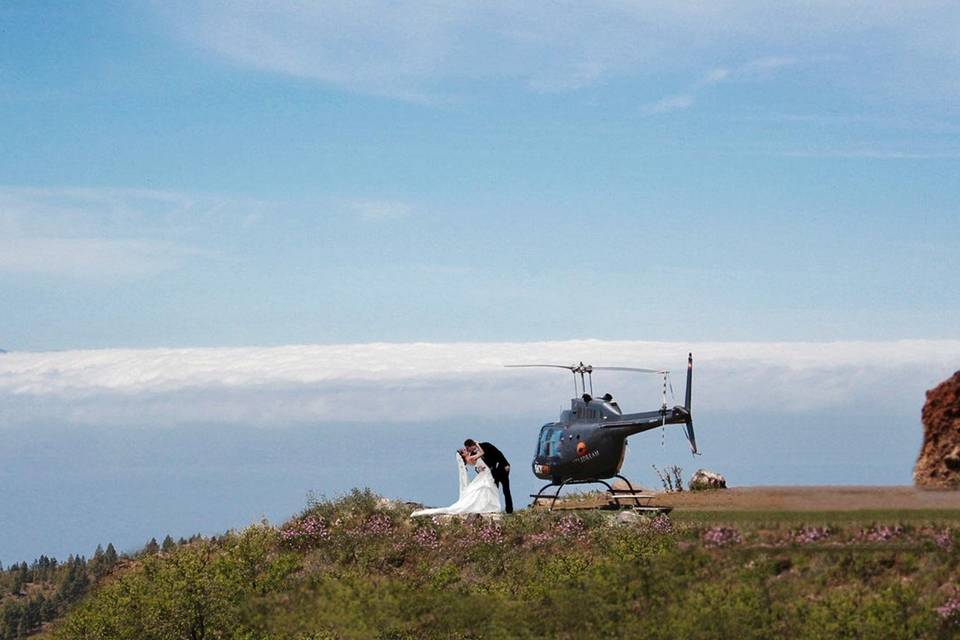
(499, 468)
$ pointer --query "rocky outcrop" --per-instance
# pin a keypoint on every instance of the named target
(938, 466)
(705, 479)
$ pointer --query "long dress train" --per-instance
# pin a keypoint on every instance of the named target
(479, 495)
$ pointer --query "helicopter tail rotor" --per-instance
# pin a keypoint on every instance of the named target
(691, 437)
(688, 426)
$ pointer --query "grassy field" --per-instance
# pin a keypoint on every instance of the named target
(360, 567)
(783, 518)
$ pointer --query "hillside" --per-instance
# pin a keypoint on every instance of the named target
(34, 595)
(359, 567)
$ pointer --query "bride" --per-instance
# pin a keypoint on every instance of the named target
(477, 496)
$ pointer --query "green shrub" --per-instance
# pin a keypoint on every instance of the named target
(376, 573)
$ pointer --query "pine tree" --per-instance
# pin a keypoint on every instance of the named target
(48, 610)
(110, 555)
(168, 544)
(32, 613)
(75, 581)
(98, 563)
(152, 547)
(10, 619)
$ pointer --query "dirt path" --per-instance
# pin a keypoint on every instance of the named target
(822, 498)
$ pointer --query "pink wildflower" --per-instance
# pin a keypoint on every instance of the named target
(721, 536)
(881, 534)
(378, 525)
(808, 535)
(950, 611)
(304, 532)
(570, 527)
(490, 534)
(943, 540)
(426, 538)
(661, 524)
(538, 539)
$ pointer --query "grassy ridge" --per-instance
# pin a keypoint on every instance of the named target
(862, 517)
(361, 568)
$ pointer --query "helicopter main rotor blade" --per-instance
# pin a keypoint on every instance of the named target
(552, 366)
(660, 371)
(586, 368)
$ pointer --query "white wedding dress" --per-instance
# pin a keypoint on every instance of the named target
(479, 495)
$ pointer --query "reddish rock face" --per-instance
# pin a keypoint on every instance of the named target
(938, 466)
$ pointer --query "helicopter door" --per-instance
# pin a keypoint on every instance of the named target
(550, 438)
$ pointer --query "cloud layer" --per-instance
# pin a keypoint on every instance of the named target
(406, 50)
(432, 381)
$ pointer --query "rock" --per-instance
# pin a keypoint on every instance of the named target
(628, 517)
(938, 466)
(706, 479)
(387, 504)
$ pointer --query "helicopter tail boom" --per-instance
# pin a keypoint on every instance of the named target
(640, 422)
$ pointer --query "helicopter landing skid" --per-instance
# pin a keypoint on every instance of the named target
(616, 494)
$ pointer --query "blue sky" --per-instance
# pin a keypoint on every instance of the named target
(184, 174)
(238, 238)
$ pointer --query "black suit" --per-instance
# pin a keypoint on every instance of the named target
(497, 463)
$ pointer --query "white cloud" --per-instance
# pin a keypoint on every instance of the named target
(751, 70)
(91, 258)
(716, 75)
(251, 220)
(87, 211)
(408, 50)
(872, 154)
(768, 64)
(380, 209)
(668, 104)
(108, 233)
(429, 381)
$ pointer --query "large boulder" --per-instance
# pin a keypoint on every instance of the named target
(938, 466)
(706, 479)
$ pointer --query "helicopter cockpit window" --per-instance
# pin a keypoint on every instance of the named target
(550, 441)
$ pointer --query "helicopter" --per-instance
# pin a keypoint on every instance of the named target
(587, 444)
